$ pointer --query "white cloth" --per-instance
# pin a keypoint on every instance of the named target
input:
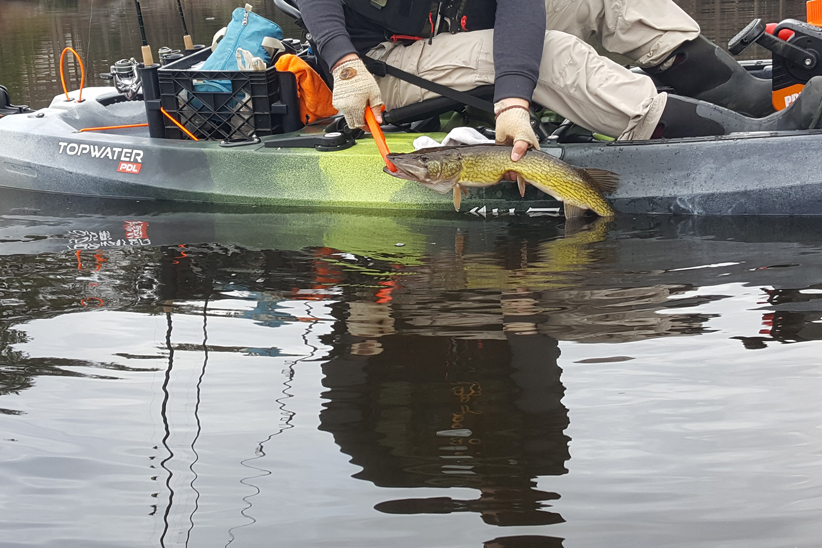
(247, 62)
(457, 136)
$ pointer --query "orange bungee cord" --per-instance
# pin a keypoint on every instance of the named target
(63, 76)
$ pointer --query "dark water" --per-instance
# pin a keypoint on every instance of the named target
(185, 378)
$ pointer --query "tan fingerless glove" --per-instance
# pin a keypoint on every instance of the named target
(514, 124)
(354, 89)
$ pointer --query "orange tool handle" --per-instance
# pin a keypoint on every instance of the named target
(379, 138)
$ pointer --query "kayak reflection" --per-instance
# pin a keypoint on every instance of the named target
(523, 541)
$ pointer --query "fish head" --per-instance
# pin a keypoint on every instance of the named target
(435, 168)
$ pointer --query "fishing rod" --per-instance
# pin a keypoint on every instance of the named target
(148, 59)
(189, 43)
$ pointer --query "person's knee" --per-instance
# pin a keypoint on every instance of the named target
(565, 54)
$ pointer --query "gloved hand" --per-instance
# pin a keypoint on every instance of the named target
(514, 124)
(355, 89)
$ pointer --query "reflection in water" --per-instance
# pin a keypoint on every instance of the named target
(185, 277)
(437, 362)
(286, 416)
(451, 378)
(523, 541)
(782, 325)
(179, 443)
(446, 412)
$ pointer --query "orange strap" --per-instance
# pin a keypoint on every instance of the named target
(111, 127)
(178, 124)
(82, 74)
(379, 138)
(403, 38)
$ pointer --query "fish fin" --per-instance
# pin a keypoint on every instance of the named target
(457, 197)
(542, 188)
(521, 183)
(441, 187)
(574, 212)
(464, 189)
(603, 180)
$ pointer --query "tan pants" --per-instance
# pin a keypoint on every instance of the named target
(574, 80)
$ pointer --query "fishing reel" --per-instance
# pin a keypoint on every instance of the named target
(126, 78)
(168, 55)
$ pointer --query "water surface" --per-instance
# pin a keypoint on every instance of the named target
(341, 379)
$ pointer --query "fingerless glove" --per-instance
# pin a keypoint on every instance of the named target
(514, 124)
(354, 90)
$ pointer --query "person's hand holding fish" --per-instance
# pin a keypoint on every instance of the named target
(513, 126)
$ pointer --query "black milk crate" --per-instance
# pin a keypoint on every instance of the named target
(258, 103)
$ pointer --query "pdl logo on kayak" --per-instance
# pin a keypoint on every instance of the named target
(130, 159)
(790, 99)
(128, 167)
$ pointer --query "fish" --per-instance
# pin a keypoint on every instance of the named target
(457, 168)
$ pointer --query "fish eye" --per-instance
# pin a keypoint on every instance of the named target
(424, 159)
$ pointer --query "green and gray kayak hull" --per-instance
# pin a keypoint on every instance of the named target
(741, 174)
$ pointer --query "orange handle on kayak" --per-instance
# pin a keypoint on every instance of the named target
(379, 138)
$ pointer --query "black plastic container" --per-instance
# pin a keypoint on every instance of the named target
(251, 103)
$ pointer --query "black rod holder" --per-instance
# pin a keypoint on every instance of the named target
(151, 96)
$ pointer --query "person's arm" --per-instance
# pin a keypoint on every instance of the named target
(326, 23)
(354, 87)
(519, 33)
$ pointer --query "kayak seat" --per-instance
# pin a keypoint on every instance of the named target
(433, 107)
(6, 107)
(5, 98)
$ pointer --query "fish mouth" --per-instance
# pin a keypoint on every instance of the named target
(400, 174)
(412, 171)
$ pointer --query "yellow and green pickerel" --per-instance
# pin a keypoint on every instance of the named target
(457, 168)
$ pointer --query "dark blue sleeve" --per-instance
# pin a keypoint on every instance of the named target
(519, 33)
(326, 23)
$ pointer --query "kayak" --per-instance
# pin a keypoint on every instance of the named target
(45, 151)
